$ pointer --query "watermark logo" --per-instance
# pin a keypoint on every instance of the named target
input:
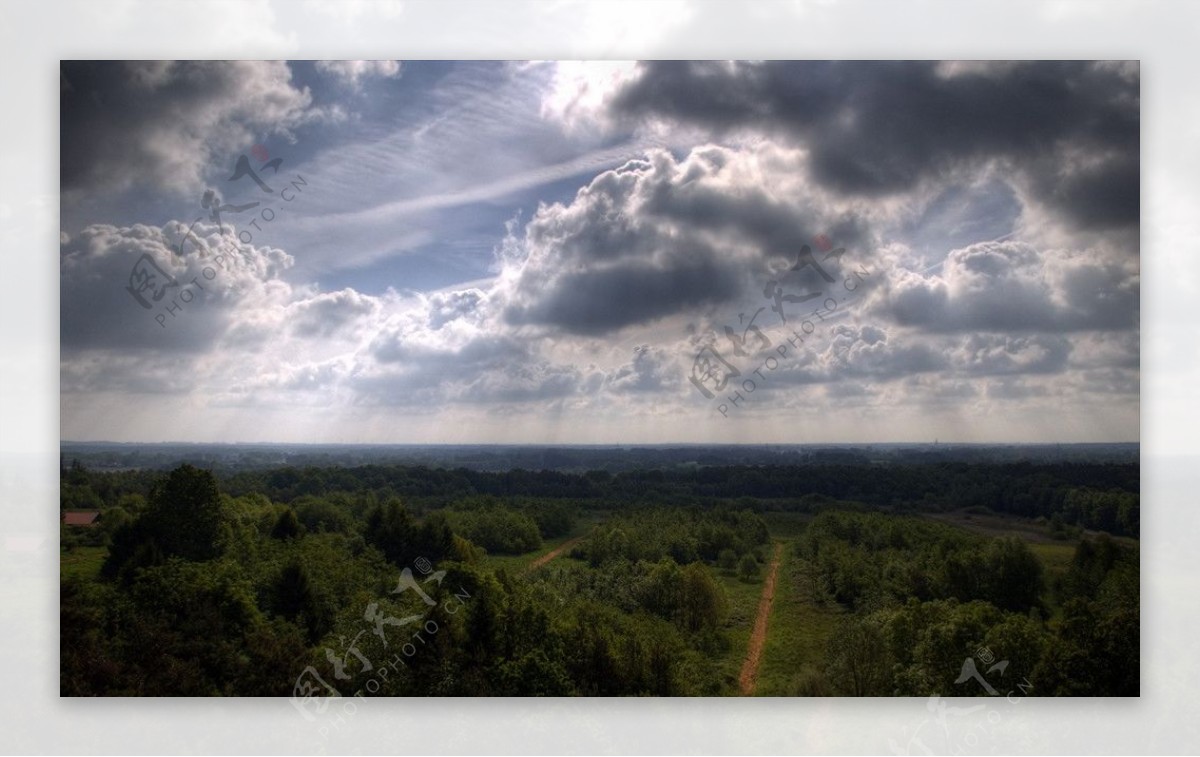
(807, 279)
(952, 728)
(147, 278)
(314, 697)
(149, 282)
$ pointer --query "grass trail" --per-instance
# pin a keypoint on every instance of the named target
(758, 637)
(560, 549)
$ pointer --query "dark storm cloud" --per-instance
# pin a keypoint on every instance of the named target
(1106, 194)
(752, 212)
(597, 302)
(159, 123)
(1070, 129)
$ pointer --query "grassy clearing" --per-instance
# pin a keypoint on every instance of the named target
(785, 525)
(743, 607)
(1055, 555)
(1056, 558)
(997, 525)
(84, 562)
(800, 628)
(518, 564)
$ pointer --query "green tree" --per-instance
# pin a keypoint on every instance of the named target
(1014, 574)
(434, 539)
(703, 604)
(184, 519)
(185, 514)
(391, 529)
(115, 518)
(317, 514)
(296, 600)
(727, 560)
(748, 568)
(287, 526)
(499, 530)
(858, 663)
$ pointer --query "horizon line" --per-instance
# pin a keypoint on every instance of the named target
(935, 442)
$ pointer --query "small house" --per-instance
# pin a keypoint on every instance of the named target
(85, 518)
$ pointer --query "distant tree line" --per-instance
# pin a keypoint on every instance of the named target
(1099, 496)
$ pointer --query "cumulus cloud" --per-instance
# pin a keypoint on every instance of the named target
(447, 307)
(1067, 131)
(996, 354)
(579, 90)
(451, 347)
(997, 286)
(162, 124)
(305, 376)
(202, 275)
(651, 370)
(353, 72)
(326, 314)
(858, 353)
(663, 236)
(992, 232)
(227, 322)
(402, 367)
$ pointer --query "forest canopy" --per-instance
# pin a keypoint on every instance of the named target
(639, 583)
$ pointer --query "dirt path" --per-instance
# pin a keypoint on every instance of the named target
(749, 676)
(560, 549)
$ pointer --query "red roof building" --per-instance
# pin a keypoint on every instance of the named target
(82, 518)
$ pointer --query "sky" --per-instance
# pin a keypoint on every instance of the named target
(599, 252)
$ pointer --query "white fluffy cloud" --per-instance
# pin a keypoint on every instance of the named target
(206, 279)
(353, 72)
(663, 236)
(1004, 286)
